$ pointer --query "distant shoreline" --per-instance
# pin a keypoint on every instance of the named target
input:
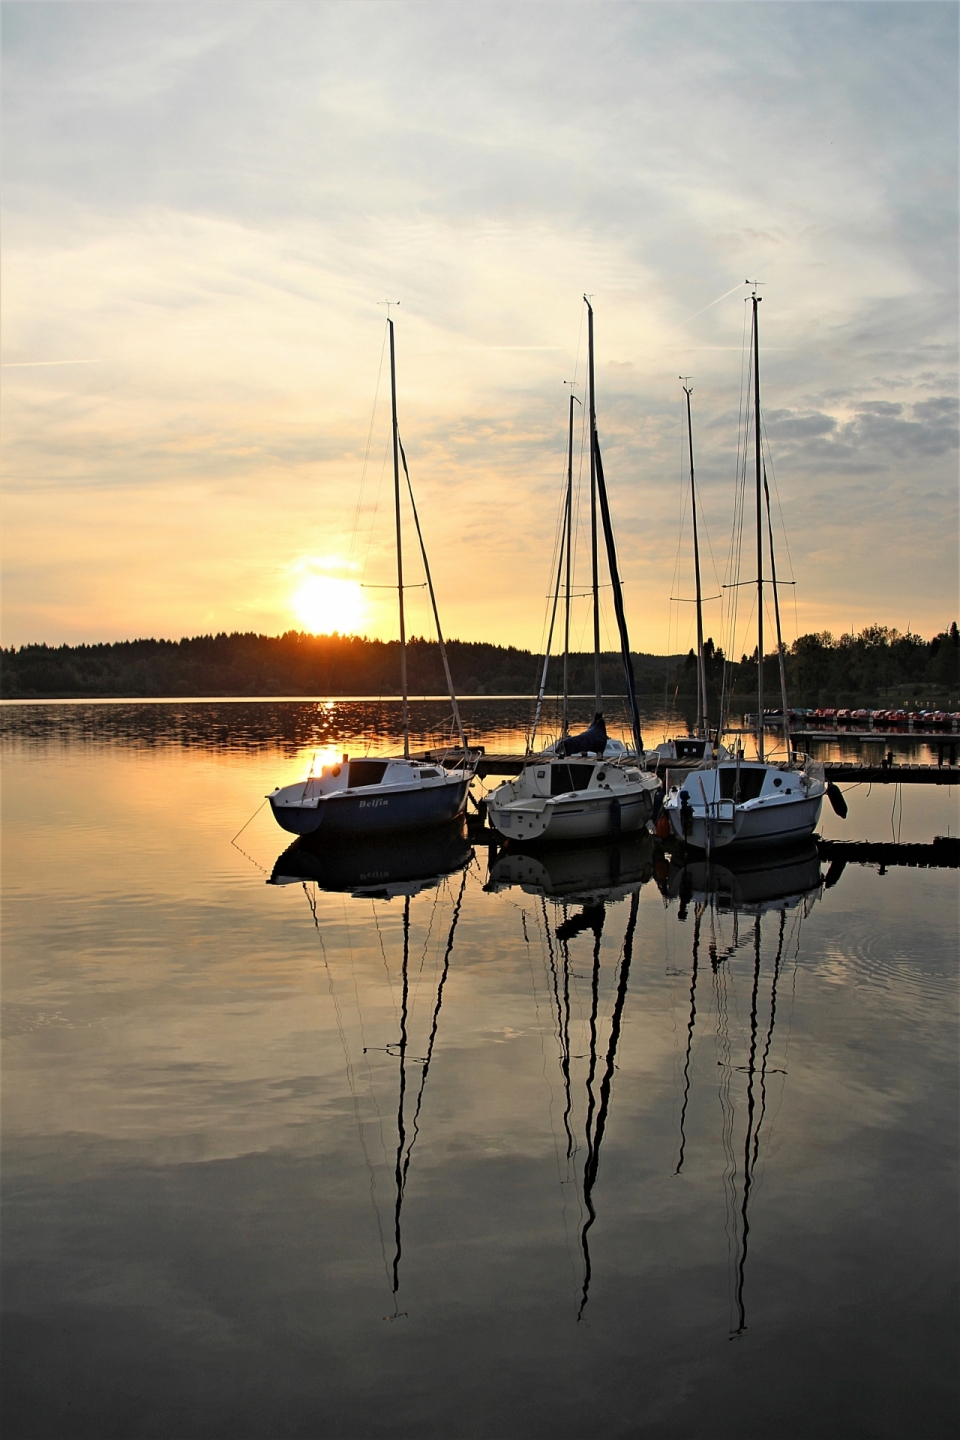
(877, 666)
(270, 699)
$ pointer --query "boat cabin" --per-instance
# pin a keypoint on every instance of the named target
(739, 784)
(350, 775)
(563, 777)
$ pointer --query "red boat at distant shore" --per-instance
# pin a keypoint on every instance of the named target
(925, 721)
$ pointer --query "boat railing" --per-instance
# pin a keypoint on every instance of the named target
(455, 758)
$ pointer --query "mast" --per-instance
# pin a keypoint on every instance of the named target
(396, 494)
(701, 663)
(776, 611)
(615, 586)
(564, 726)
(598, 698)
(756, 416)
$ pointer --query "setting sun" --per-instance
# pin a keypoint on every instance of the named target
(323, 604)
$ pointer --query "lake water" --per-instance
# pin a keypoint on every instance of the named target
(573, 1146)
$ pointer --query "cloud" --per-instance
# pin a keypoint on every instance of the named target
(215, 200)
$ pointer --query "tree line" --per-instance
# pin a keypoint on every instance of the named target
(868, 667)
(875, 665)
(297, 664)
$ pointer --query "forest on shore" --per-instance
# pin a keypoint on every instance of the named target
(876, 665)
(298, 664)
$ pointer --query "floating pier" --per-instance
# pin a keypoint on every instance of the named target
(943, 854)
(836, 770)
(883, 774)
(916, 737)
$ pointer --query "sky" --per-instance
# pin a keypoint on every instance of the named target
(205, 206)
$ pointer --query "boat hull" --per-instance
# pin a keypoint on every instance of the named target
(586, 816)
(769, 824)
(380, 814)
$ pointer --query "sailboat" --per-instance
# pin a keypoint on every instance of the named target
(738, 801)
(374, 796)
(699, 745)
(585, 785)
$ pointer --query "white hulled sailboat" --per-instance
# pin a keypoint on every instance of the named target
(753, 802)
(698, 746)
(374, 796)
(585, 785)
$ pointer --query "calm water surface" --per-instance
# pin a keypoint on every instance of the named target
(411, 1144)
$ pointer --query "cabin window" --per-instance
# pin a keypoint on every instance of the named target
(429, 774)
(569, 777)
(366, 772)
(751, 783)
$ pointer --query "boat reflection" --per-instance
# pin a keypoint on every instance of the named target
(376, 869)
(584, 875)
(745, 883)
(784, 885)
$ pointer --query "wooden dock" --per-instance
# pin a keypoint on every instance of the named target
(840, 772)
(944, 853)
(948, 739)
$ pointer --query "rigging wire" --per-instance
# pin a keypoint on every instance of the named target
(366, 453)
(783, 526)
(373, 518)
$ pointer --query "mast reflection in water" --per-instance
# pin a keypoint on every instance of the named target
(214, 1196)
(779, 883)
(592, 877)
(405, 1147)
(388, 868)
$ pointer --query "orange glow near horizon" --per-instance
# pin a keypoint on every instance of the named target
(197, 419)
